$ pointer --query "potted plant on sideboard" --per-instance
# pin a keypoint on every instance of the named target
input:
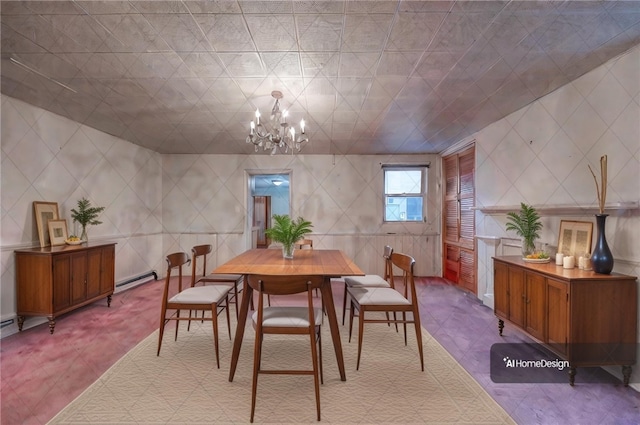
(86, 215)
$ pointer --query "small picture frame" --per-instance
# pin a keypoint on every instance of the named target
(58, 232)
(43, 212)
(575, 237)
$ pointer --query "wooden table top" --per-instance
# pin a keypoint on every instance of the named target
(322, 262)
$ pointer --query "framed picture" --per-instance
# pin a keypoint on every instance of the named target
(575, 237)
(44, 211)
(57, 231)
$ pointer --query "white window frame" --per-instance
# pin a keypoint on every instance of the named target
(422, 193)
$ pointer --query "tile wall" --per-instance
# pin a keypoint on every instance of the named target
(157, 204)
(540, 155)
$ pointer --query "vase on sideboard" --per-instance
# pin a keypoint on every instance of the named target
(601, 257)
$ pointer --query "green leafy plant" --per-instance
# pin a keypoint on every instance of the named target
(287, 231)
(526, 223)
(86, 215)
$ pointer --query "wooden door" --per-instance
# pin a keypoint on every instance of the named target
(94, 266)
(107, 269)
(459, 256)
(557, 317)
(262, 218)
(517, 296)
(535, 305)
(501, 290)
(61, 282)
(78, 277)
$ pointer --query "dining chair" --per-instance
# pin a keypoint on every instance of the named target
(214, 298)
(288, 320)
(233, 281)
(300, 244)
(370, 280)
(303, 243)
(387, 300)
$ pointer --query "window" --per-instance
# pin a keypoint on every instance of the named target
(404, 193)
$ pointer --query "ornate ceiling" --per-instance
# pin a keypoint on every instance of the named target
(368, 77)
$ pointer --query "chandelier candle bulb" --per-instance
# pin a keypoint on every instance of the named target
(257, 117)
(302, 126)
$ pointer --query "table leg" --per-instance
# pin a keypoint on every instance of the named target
(330, 308)
(247, 294)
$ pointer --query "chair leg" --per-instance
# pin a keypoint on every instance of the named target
(214, 320)
(316, 382)
(177, 323)
(320, 354)
(361, 332)
(344, 304)
(235, 295)
(351, 310)
(257, 353)
(161, 332)
(404, 325)
(418, 326)
(228, 317)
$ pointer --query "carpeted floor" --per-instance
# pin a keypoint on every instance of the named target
(184, 386)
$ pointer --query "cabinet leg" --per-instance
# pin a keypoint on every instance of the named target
(500, 326)
(108, 300)
(572, 375)
(20, 323)
(626, 374)
(52, 324)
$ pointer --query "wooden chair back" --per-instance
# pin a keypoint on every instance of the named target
(199, 251)
(174, 261)
(284, 285)
(288, 323)
(405, 263)
(304, 242)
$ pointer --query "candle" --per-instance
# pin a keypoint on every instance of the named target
(569, 262)
(581, 263)
(559, 257)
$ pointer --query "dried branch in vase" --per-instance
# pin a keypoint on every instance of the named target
(601, 191)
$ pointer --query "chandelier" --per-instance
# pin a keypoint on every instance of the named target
(281, 137)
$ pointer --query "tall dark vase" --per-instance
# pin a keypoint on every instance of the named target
(601, 258)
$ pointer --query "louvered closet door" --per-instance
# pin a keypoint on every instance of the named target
(459, 262)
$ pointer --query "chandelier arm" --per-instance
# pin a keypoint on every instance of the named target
(276, 135)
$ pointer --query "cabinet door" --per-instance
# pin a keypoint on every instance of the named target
(535, 305)
(107, 270)
(557, 320)
(501, 290)
(467, 269)
(94, 266)
(61, 282)
(516, 296)
(78, 277)
(451, 262)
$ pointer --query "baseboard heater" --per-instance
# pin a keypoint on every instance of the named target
(137, 278)
(6, 323)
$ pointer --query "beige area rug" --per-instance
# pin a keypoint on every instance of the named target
(183, 385)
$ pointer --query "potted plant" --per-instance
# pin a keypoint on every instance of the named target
(86, 215)
(526, 223)
(287, 231)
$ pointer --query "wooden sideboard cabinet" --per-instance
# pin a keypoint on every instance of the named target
(587, 318)
(51, 281)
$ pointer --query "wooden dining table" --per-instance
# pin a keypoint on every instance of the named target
(319, 262)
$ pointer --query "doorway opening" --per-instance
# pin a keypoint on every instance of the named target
(269, 194)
